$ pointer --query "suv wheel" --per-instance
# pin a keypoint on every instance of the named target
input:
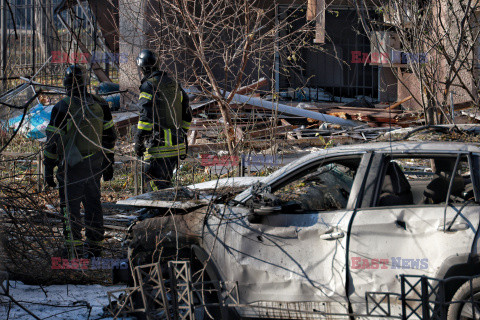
(464, 310)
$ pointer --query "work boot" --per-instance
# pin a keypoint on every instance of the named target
(92, 249)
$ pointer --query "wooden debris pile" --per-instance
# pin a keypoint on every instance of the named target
(258, 121)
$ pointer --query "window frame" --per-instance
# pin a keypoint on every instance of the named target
(357, 187)
(385, 157)
(300, 176)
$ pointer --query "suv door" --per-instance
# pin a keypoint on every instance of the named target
(404, 232)
(293, 259)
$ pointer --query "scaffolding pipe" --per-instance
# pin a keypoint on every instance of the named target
(282, 108)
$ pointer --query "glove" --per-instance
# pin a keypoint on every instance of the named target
(139, 149)
(108, 167)
(108, 173)
(139, 145)
(184, 156)
(49, 177)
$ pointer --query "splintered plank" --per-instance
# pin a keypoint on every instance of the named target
(320, 22)
(270, 131)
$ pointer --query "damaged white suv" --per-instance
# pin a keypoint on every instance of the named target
(343, 232)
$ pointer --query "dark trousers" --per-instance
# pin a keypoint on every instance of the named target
(159, 172)
(81, 184)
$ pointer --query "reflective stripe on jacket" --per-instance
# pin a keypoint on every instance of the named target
(161, 120)
(165, 151)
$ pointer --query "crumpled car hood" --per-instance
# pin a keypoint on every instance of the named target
(191, 196)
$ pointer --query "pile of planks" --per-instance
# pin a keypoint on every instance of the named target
(258, 121)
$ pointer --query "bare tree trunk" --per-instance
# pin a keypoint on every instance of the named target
(446, 34)
(220, 46)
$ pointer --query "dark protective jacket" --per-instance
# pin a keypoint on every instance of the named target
(165, 116)
(75, 133)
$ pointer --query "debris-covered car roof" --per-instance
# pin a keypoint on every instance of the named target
(199, 194)
(383, 147)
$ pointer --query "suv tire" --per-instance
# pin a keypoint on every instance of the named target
(463, 311)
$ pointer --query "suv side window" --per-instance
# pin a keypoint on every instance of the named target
(424, 180)
(325, 187)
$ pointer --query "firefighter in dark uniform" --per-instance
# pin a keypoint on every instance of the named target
(164, 121)
(80, 141)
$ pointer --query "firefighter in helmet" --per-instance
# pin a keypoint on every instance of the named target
(164, 121)
(80, 141)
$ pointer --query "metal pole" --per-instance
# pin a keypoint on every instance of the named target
(403, 297)
(452, 112)
(135, 176)
(424, 297)
(39, 171)
(441, 300)
(33, 27)
(4, 43)
(286, 109)
(142, 178)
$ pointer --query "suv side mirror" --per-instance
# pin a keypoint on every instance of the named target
(262, 203)
(257, 213)
(266, 210)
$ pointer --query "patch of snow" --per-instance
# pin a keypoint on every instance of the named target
(56, 302)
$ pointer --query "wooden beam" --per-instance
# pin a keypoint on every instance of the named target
(270, 131)
(252, 87)
(192, 137)
(262, 144)
(289, 134)
(311, 10)
(398, 103)
(320, 22)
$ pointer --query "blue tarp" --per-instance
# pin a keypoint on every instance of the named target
(38, 117)
(35, 122)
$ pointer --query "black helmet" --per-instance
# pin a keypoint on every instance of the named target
(75, 77)
(147, 61)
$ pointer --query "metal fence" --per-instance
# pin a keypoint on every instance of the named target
(36, 40)
(330, 72)
(179, 296)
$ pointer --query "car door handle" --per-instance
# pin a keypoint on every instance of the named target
(332, 235)
(455, 227)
